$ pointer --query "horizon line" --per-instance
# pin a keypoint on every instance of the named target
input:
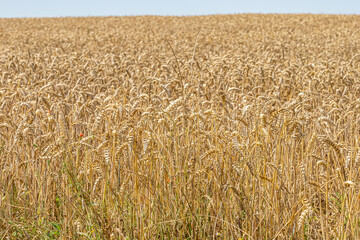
(184, 15)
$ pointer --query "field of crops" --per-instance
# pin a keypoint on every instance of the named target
(211, 127)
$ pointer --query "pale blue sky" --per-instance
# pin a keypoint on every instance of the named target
(62, 8)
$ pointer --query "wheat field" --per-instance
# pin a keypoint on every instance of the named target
(210, 127)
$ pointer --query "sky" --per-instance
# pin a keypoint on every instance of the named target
(64, 8)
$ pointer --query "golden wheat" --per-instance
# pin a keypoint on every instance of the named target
(225, 126)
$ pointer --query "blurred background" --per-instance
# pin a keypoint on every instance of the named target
(64, 8)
